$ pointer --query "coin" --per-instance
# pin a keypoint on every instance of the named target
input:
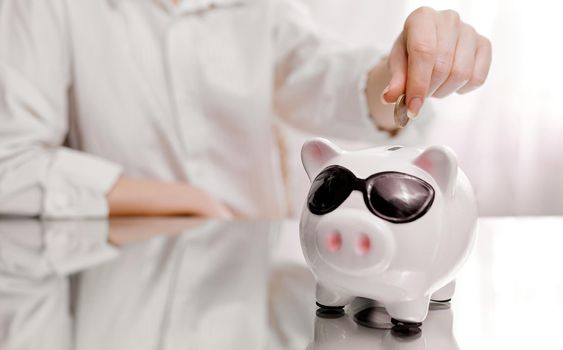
(400, 112)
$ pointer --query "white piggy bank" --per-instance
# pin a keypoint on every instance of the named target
(393, 224)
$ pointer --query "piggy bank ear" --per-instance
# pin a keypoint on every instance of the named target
(315, 153)
(441, 163)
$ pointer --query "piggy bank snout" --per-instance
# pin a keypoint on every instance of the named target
(352, 240)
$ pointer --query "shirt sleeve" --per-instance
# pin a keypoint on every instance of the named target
(320, 81)
(38, 176)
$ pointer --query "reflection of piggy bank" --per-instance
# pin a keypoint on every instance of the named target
(393, 224)
(344, 333)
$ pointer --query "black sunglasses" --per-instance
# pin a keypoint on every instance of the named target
(390, 195)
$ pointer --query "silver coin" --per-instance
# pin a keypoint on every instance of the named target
(400, 112)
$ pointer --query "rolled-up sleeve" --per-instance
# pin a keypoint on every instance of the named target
(320, 82)
(38, 176)
(77, 185)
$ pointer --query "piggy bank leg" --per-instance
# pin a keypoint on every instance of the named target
(331, 297)
(444, 294)
(409, 313)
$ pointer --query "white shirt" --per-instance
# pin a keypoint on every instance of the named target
(92, 89)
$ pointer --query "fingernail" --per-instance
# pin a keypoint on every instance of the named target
(386, 90)
(414, 107)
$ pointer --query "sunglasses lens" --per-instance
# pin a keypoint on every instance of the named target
(330, 189)
(398, 197)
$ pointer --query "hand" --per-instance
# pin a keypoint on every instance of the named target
(435, 55)
(131, 197)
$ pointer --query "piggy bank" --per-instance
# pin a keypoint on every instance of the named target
(392, 224)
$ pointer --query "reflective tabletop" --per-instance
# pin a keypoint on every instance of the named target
(175, 283)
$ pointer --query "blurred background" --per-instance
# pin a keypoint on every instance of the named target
(508, 135)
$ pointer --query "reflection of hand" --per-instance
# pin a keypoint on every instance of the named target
(131, 197)
(124, 230)
(435, 55)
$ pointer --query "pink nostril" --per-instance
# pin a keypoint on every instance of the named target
(334, 241)
(364, 244)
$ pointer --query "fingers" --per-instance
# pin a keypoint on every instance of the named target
(483, 58)
(398, 69)
(463, 64)
(421, 46)
(448, 27)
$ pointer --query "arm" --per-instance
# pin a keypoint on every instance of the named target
(132, 197)
(37, 175)
(324, 86)
(320, 82)
(40, 177)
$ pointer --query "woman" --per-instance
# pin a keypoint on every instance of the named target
(165, 107)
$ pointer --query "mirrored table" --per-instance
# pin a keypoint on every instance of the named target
(180, 283)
